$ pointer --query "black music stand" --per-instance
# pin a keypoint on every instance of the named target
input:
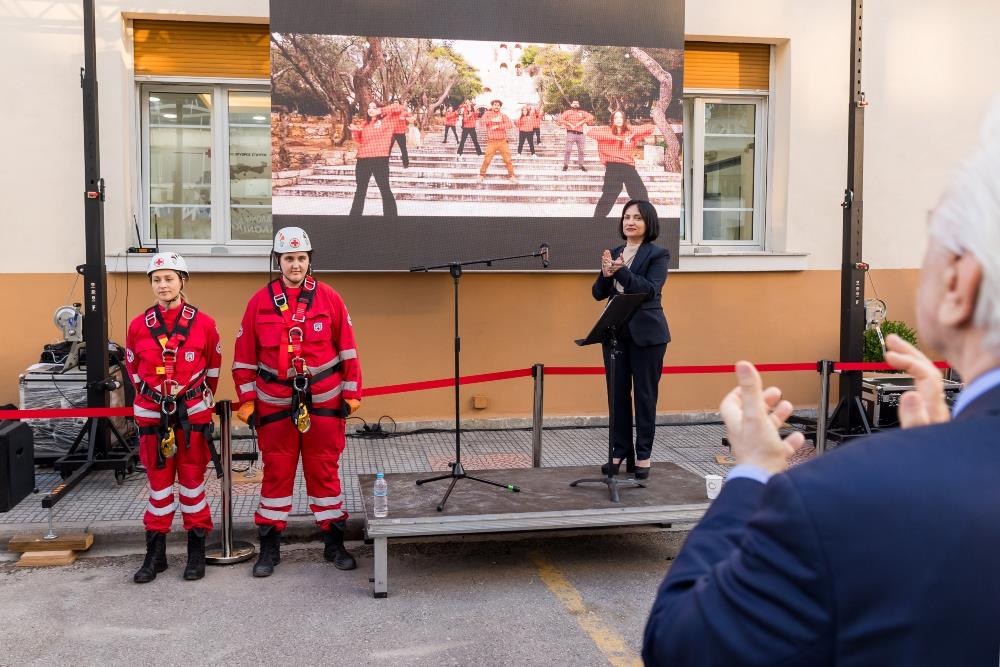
(616, 314)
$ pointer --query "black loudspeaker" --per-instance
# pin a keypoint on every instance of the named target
(17, 463)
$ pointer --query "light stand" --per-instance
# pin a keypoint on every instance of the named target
(100, 454)
(457, 470)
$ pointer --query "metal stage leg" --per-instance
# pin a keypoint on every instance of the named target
(381, 580)
(227, 552)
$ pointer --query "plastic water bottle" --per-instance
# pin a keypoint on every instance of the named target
(381, 496)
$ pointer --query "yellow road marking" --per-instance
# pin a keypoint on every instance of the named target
(609, 642)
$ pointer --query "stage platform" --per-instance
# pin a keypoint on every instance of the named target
(546, 502)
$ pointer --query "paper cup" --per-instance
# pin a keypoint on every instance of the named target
(713, 485)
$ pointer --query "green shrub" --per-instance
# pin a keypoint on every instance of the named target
(873, 349)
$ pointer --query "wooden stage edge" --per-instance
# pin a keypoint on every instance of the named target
(546, 502)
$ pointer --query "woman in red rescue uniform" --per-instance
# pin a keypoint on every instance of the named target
(374, 139)
(172, 354)
(296, 371)
(616, 144)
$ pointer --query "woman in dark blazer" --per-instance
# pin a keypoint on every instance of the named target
(638, 267)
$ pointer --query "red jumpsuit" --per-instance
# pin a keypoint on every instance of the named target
(196, 370)
(327, 347)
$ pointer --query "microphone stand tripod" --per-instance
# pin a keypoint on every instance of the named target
(457, 470)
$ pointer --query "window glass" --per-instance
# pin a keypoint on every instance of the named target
(180, 164)
(728, 178)
(250, 165)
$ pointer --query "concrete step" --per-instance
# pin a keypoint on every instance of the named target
(491, 191)
(471, 180)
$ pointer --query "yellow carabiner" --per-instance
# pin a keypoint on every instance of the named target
(168, 445)
(302, 420)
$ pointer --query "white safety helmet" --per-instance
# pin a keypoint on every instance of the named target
(167, 260)
(291, 239)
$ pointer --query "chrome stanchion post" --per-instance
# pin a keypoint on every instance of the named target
(823, 409)
(538, 373)
(227, 552)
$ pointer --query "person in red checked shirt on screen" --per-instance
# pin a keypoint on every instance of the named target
(469, 120)
(616, 144)
(296, 371)
(374, 141)
(172, 354)
(525, 130)
(497, 124)
(399, 116)
(574, 120)
(450, 123)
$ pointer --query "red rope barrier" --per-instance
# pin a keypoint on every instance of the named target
(446, 382)
(857, 366)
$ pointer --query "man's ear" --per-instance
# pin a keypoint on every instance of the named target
(962, 277)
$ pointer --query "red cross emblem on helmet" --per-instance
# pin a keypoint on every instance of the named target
(294, 243)
(159, 261)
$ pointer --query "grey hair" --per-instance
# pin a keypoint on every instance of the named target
(968, 220)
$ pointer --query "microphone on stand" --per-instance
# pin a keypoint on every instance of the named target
(544, 250)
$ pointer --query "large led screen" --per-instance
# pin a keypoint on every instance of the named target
(422, 132)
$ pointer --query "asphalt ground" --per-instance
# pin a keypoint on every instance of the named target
(531, 600)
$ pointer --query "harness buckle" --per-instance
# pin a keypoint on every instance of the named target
(171, 388)
(187, 312)
(168, 355)
(299, 318)
(300, 382)
(280, 300)
(168, 406)
(293, 333)
(151, 319)
(309, 283)
(295, 365)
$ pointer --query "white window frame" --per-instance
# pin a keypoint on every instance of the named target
(221, 234)
(693, 240)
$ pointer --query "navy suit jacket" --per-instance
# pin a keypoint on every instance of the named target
(647, 274)
(883, 552)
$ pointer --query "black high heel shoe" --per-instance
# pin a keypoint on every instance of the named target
(611, 468)
(641, 473)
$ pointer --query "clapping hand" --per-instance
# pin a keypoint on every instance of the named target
(606, 264)
(752, 416)
(925, 404)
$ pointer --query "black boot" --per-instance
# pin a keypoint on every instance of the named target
(334, 550)
(612, 470)
(270, 551)
(155, 560)
(195, 568)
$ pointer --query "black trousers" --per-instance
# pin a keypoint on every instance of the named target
(521, 138)
(637, 373)
(401, 140)
(616, 176)
(454, 133)
(364, 170)
(538, 135)
(468, 132)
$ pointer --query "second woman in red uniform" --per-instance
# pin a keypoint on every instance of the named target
(172, 354)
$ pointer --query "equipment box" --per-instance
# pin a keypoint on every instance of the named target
(880, 396)
(48, 386)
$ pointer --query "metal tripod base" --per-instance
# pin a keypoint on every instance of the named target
(457, 473)
(241, 551)
(613, 484)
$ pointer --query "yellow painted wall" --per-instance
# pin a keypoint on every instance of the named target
(404, 330)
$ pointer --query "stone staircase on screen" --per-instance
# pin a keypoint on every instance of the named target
(437, 174)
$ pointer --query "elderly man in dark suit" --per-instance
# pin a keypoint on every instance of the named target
(885, 551)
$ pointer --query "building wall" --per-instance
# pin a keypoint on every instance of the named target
(929, 72)
(404, 331)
